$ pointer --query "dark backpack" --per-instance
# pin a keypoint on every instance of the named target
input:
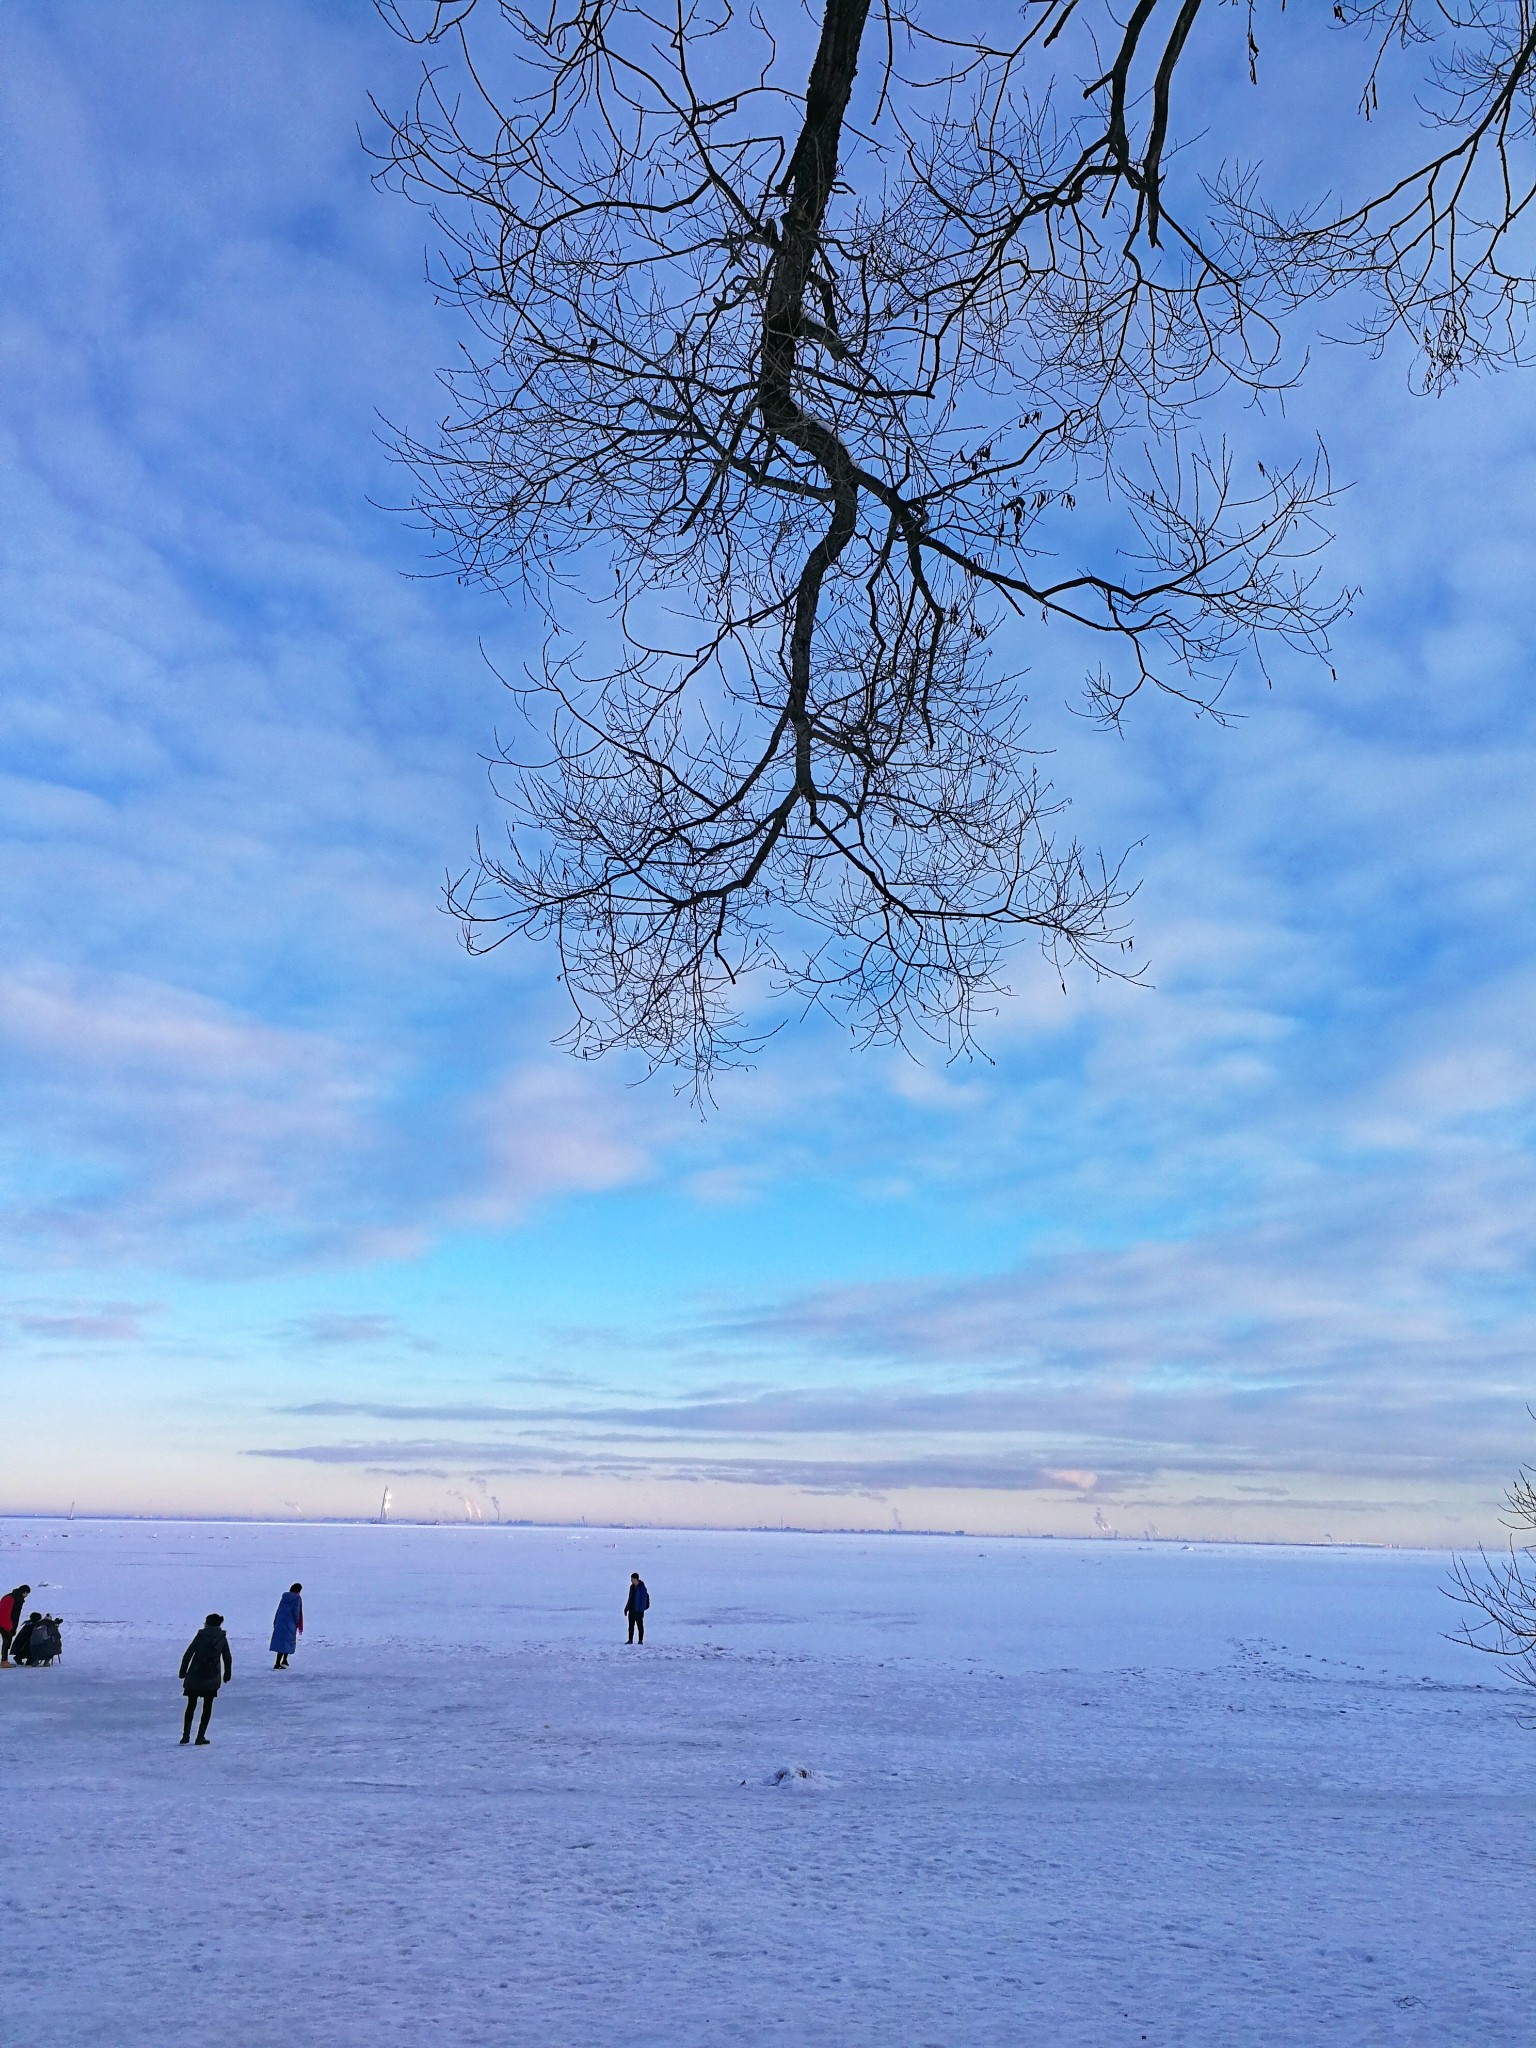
(43, 1642)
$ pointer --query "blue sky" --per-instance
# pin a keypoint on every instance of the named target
(298, 1199)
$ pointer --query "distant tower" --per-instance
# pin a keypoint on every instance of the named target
(384, 1506)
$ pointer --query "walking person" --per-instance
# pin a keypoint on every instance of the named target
(635, 1606)
(205, 1665)
(12, 1607)
(287, 1626)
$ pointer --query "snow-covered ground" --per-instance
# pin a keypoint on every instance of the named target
(1053, 1794)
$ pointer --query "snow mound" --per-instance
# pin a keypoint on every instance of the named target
(798, 1778)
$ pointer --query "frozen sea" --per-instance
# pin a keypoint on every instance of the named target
(896, 1790)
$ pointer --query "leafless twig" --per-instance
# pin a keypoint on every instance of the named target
(1499, 1592)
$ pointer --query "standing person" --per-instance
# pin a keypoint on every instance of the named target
(205, 1664)
(12, 1607)
(635, 1606)
(287, 1626)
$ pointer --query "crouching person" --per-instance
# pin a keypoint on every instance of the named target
(39, 1640)
(205, 1665)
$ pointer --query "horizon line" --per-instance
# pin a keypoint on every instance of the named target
(730, 1529)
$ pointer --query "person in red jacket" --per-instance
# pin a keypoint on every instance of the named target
(11, 1609)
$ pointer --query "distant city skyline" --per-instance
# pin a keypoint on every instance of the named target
(299, 1201)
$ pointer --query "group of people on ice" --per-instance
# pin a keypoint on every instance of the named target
(206, 1663)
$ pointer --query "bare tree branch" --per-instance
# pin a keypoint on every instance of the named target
(1499, 1593)
(791, 380)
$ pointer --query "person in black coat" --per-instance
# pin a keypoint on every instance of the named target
(635, 1606)
(205, 1664)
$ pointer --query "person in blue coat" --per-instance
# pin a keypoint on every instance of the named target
(635, 1606)
(287, 1626)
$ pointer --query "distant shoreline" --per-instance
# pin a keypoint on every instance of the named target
(1124, 1542)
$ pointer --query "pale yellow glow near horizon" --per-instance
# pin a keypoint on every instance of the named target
(1190, 1508)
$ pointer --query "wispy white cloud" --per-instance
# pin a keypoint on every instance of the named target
(151, 1122)
(139, 1111)
(551, 1127)
(77, 1322)
(336, 1326)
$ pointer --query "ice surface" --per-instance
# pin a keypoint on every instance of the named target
(1057, 1794)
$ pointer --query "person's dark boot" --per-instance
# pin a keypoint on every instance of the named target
(202, 1742)
(185, 1738)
